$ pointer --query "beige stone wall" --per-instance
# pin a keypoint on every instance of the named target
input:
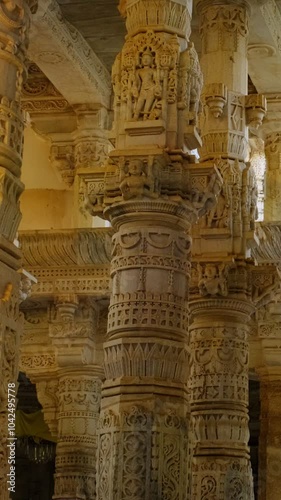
(46, 202)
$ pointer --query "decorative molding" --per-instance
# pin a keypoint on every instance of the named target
(73, 53)
(261, 50)
(77, 247)
(39, 95)
(172, 16)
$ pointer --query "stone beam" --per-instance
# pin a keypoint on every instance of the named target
(65, 57)
(70, 261)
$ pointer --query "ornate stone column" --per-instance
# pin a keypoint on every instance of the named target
(221, 301)
(152, 193)
(272, 211)
(73, 330)
(14, 27)
(219, 387)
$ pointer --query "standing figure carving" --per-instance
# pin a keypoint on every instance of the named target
(146, 89)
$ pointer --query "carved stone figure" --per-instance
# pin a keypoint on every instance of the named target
(213, 280)
(146, 89)
(219, 214)
(138, 180)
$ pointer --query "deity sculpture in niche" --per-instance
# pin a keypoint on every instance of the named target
(137, 179)
(146, 88)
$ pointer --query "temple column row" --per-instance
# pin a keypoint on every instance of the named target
(152, 197)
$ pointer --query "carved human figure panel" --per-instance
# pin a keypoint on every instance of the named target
(213, 279)
(137, 179)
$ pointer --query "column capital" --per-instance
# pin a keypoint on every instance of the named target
(142, 14)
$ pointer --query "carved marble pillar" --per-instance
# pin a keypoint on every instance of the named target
(221, 292)
(73, 330)
(14, 27)
(151, 194)
(219, 398)
(272, 211)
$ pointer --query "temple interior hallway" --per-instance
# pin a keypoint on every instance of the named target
(140, 249)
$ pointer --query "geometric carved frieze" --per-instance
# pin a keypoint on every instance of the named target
(83, 281)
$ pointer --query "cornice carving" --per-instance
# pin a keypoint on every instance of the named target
(66, 247)
(68, 262)
(69, 47)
